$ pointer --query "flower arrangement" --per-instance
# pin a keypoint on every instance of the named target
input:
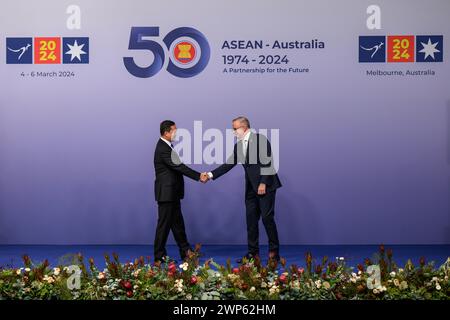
(190, 280)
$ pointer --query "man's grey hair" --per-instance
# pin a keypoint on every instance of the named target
(243, 120)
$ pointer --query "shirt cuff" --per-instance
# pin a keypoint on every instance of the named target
(210, 175)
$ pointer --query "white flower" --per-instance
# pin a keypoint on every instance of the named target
(400, 270)
(56, 271)
(375, 291)
(184, 266)
(326, 285)
(295, 284)
(438, 287)
(341, 258)
(274, 289)
(27, 269)
(353, 275)
(263, 284)
(359, 272)
(19, 271)
(404, 285)
(392, 274)
(318, 284)
(179, 285)
(136, 273)
(101, 275)
(252, 289)
(48, 279)
(396, 282)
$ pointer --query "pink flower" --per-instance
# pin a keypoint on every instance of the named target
(194, 280)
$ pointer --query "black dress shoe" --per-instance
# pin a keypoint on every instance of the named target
(168, 260)
(185, 254)
(248, 256)
(274, 256)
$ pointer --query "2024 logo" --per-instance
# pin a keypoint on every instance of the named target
(188, 48)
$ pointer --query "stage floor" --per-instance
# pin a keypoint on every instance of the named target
(10, 255)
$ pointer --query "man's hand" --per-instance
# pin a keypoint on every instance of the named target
(204, 177)
(262, 189)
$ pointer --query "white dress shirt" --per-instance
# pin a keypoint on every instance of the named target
(245, 143)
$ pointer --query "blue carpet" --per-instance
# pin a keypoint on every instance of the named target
(10, 255)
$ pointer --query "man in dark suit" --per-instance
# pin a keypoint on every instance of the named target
(253, 151)
(169, 190)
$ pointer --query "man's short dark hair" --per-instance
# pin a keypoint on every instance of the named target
(165, 126)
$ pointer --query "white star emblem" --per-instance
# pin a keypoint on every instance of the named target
(429, 49)
(75, 51)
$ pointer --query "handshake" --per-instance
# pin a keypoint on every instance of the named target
(204, 177)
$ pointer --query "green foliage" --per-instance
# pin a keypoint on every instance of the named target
(319, 279)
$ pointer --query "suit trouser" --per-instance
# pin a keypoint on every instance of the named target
(170, 218)
(260, 207)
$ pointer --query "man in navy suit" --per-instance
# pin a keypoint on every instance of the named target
(253, 151)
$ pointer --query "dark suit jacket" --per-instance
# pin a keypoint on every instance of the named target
(258, 165)
(169, 171)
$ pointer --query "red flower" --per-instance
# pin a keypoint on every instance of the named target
(130, 294)
(283, 278)
(127, 285)
(193, 280)
(300, 271)
(172, 268)
(319, 269)
(333, 266)
(235, 270)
